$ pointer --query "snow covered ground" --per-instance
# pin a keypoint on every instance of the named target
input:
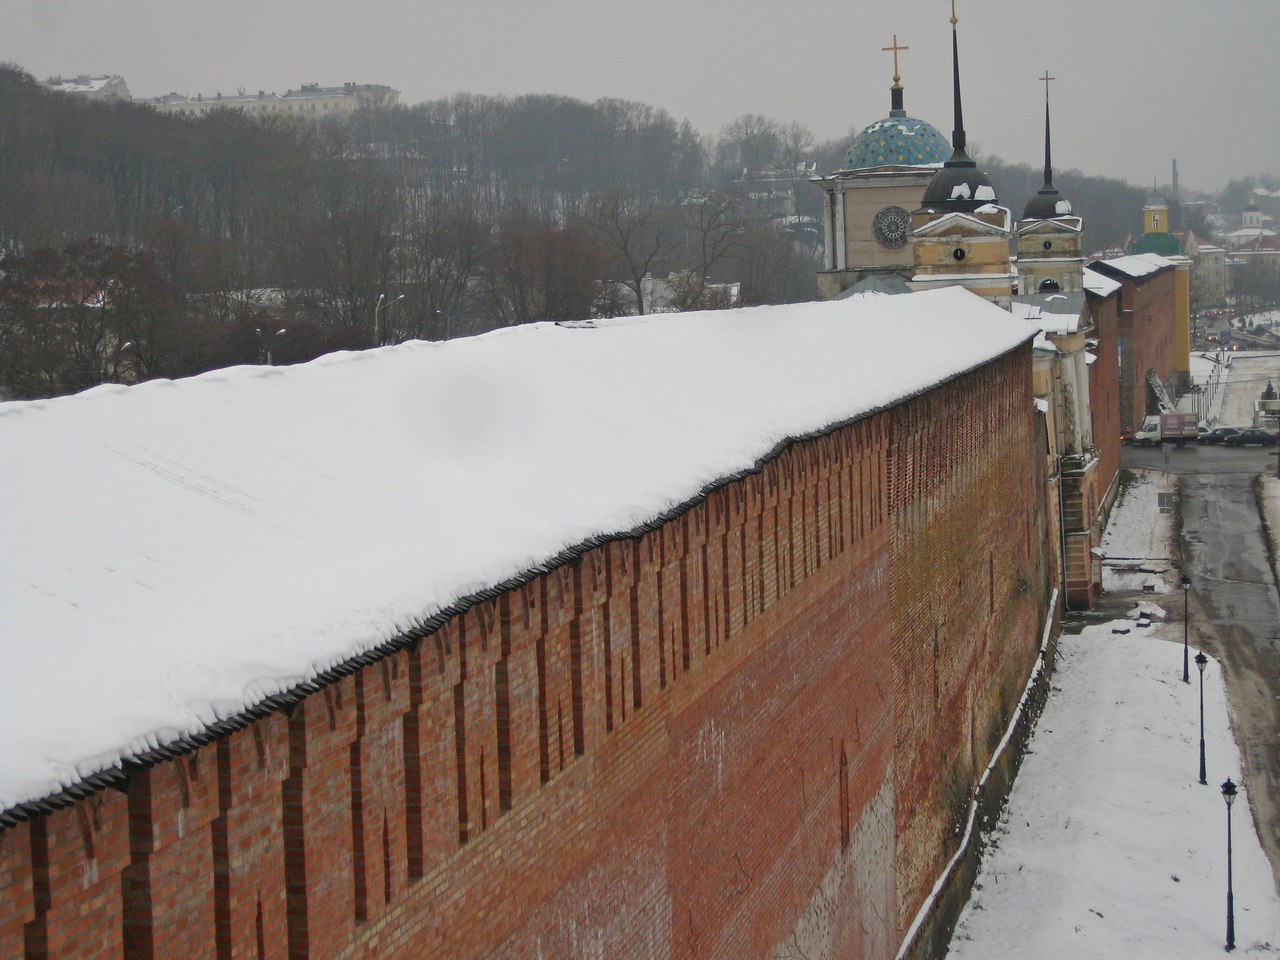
(1247, 371)
(1110, 847)
(1137, 547)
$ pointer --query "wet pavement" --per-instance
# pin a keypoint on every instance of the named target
(1235, 605)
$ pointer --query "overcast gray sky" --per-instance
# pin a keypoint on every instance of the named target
(1139, 82)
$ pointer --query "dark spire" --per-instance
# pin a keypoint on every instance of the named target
(959, 185)
(1048, 157)
(1045, 204)
(957, 134)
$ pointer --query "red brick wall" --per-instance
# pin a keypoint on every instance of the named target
(743, 734)
(1147, 321)
(970, 567)
(17, 895)
(78, 856)
(1104, 389)
(248, 842)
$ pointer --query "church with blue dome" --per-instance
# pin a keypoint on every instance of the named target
(867, 204)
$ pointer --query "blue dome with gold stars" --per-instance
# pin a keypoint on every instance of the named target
(897, 141)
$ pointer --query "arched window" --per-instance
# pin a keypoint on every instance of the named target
(1049, 285)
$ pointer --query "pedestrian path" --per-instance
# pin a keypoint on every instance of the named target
(1109, 845)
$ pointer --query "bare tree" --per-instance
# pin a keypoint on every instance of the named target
(636, 233)
(771, 266)
(712, 223)
(537, 270)
(691, 291)
(749, 144)
(438, 261)
(796, 145)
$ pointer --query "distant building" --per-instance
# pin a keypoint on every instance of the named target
(312, 101)
(1266, 202)
(1247, 238)
(1209, 275)
(91, 88)
(1146, 307)
(1156, 236)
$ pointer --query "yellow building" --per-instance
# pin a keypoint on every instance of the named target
(1157, 238)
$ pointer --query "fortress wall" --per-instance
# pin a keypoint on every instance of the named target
(970, 576)
(743, 733)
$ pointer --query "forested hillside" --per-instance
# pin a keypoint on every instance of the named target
(138, 244)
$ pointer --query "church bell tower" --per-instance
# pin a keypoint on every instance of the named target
(960, 233)
(1050, 238)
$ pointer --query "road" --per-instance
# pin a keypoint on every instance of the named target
(1235, 608)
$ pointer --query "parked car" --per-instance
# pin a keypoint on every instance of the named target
(1218, 435)
(1251, 436)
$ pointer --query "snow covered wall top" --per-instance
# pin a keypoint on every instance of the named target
(175, 552)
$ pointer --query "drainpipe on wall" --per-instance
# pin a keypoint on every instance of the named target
(1062, 538)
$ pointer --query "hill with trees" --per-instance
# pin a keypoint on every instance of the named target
(138, 244)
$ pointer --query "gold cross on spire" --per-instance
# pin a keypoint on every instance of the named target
(897, 80)
(953, 14)
(1045, 80)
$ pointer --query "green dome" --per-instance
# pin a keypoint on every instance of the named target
(897, 141)
(1165, 244)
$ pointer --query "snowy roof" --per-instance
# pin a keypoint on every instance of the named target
(876, 284)
(82, 83)
(1137, 265)
(177, 552)
(1054, 313)
(1098, 284)
(962, 218)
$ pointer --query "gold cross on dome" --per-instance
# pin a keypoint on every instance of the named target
(895, 48)
(1045, 80)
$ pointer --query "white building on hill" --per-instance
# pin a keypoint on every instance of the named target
(312, 101)
(91, 88)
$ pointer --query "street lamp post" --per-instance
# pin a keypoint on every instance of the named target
(1186, 589)
(264, 342)
(1201, 662)
(1229, 795)
(382, 302)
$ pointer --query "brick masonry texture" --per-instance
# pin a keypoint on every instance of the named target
(1146, 340)
(748, 733)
